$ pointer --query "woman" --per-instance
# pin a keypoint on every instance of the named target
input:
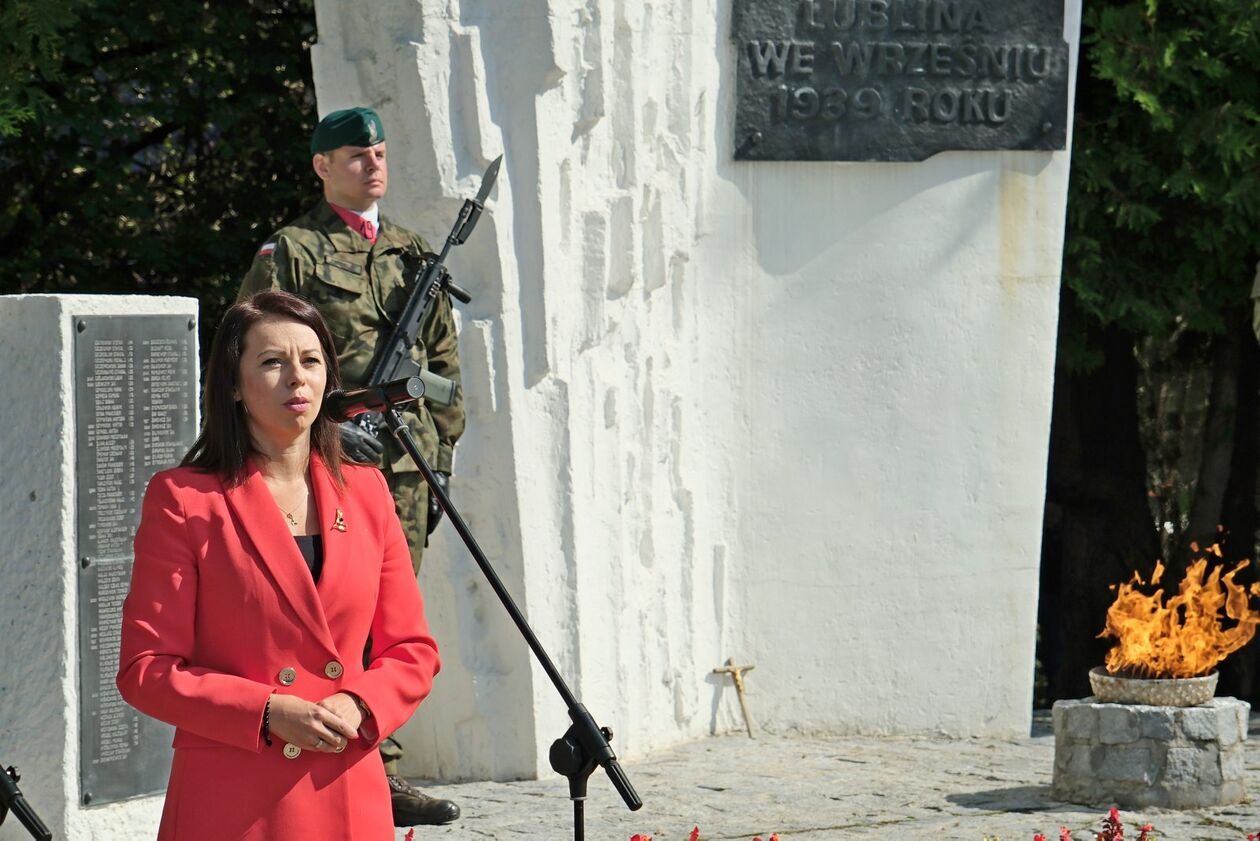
(264, 564)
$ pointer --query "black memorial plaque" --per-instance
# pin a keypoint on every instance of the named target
(897, 80)
(135, 404)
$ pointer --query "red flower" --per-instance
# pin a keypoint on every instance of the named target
(695, 834)
(1145, 832)
(1065, 834)
(774, 837)
(1037, 836)
(640, 838)
(1113, 829)
(411, 835)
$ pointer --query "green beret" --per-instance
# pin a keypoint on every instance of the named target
(349, 127)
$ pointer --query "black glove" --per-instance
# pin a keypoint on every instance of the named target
(435, 510)
(360, 445)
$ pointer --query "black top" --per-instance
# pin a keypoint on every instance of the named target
(312, 548)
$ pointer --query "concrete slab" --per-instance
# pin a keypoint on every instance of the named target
(808, 789)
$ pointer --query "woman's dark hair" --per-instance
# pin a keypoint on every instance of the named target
(224, 442)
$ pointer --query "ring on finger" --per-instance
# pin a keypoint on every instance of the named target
(319, 743)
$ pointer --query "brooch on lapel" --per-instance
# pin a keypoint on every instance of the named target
(340, 523)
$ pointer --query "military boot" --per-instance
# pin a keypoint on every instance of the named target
(412, 806)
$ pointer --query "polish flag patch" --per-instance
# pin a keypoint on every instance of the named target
(267, 248)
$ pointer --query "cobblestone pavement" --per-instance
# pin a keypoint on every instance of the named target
(807, 789)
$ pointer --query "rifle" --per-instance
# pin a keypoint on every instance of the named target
(431, 279)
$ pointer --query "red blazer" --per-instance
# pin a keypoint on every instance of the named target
(221, 604)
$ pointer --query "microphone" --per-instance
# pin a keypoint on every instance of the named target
(342, 405)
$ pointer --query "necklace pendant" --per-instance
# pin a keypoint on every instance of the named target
(340, 522)
(289, 517)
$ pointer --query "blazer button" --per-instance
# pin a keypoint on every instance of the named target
(292, 751)
(287, 676)
(334, 669)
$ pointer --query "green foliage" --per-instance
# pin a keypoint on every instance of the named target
(1164, 203)
(30, 52)
(166, 141)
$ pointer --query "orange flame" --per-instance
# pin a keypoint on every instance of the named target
(1186, 636)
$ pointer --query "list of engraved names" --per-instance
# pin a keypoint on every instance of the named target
(135, 399)
(137, 416)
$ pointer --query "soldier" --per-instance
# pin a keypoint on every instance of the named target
(347, 260)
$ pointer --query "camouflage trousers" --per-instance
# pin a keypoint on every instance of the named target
(411, 501)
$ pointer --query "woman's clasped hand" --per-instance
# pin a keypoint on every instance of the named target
(327, 726)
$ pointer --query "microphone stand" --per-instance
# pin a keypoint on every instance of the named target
(585, 744)
(11, 799)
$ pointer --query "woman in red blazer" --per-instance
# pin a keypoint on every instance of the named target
(264, 567)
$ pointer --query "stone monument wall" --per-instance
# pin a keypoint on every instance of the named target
(97, 393)
(791, 413)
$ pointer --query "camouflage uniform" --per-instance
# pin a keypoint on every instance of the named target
(358, 288)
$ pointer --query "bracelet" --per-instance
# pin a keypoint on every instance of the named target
(266, 725)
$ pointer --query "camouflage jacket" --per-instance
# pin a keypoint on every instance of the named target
(359, 288)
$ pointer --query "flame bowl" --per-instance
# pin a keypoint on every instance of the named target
(1155, 692)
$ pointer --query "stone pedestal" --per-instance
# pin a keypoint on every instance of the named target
(1137, 756)
(89, 409)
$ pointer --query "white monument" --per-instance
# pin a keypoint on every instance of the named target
(97, 392)
(795, 413)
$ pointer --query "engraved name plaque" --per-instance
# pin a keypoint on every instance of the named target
(897, 80)
(135, 404)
